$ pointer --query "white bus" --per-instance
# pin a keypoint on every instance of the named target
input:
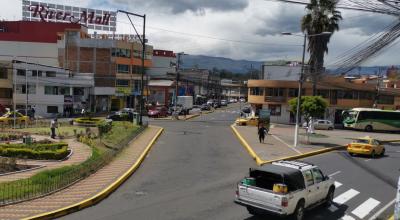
(370, 119)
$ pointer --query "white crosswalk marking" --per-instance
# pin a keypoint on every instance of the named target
(337, 184)
(347, 217)
(364, 209)
(346, 196)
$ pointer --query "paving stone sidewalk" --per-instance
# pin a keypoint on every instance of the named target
(80, 152)
(86, 188)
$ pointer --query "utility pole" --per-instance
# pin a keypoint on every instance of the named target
(177, 66)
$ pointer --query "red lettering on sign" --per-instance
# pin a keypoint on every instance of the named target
(98, 20)
(51, 14)
(66, 15)
(90, 17)
(59, 15)
(38, 11)
(106, 19)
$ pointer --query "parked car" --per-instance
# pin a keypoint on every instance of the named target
(216, 104)
(210, 102)
(179, 109)
(242, 100)
(159, 111)
(366, 146)
(121, 116)
(8, 118)
(232, 100)
(205, 107)
(224, 102)
(321, 125)
(252, 121)
(285, 188)
(246, 110)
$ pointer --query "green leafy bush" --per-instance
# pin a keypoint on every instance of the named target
(104, 127)
(54, 151)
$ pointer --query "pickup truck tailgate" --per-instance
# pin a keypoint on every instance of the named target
(259, 197)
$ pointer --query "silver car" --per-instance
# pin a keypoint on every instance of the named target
(321, 125)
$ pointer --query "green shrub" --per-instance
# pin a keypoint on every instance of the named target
(54, 151)
(104, 127)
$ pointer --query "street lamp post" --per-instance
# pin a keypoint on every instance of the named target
(177, 66)
(296, 130)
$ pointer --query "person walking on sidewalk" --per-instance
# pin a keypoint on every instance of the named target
(262, 131)
(53, 126)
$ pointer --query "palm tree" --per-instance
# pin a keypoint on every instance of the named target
(321, 16)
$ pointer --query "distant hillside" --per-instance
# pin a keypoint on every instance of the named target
(207, 62)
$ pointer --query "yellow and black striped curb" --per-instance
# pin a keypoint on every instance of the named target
(260, 162)
(103, 194)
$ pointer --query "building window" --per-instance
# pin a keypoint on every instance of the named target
(323, 93)
(122, 82)
(51, 74)
(136, 85)
(274, 91)
(5, 93)
(136, 69)
(3, 73)
(347, 94)
(51, 90)
(21, 72)
(64, 91)
(275, 110)
(21, 89)
(52, 109)
(294, 92)
(36, 73)
(386, 100)
(79, 91)
(121, 68)
(117, 52)
(137, 54)
(366, 95)
(257, 91)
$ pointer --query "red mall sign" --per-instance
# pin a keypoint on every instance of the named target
(45, 14)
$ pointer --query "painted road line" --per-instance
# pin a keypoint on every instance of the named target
(347, 217)
(364, 209)
(383, 209)
(286, 144)
(335, 173)
(367, 160)
(346, 196)
(333, 208)
(337, 184)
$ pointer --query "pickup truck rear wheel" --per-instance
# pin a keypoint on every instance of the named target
(299, 212)
(329, 197)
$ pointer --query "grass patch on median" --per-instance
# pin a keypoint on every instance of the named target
(64, 130)
(120, 131)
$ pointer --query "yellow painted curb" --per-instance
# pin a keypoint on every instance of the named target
(258, 160)
(309, 154)
(103, 194)
(192, 116)
(391, 218)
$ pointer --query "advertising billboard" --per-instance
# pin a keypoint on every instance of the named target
(92, 18)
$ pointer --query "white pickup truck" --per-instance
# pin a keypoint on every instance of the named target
(285, 188)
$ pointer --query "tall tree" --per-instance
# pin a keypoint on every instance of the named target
(321, 16)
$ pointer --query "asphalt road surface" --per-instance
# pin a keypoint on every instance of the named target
(192, 171)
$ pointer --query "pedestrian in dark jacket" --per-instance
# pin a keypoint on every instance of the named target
(262, 131)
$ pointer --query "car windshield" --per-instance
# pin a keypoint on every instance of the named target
(362, 141)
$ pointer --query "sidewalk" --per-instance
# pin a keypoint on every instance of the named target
(278, 143)
(90, 189)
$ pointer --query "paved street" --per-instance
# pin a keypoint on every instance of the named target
(192, 170)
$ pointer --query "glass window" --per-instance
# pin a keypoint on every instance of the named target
(308, 177)
(257, 91)
(275, 110)
(5, 93)
(64, 90)
(386, 99)
(274, 91)
(36, 73)
(79, 91)
(51, 74)
(319, 177)
(323, 93)
(118, 52)
(3, 73)
(51, 90)
(121, 68)
(52, 109)
(21, 89)
(21, 72)
(122, 82)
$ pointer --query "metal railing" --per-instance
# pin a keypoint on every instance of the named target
(48, 182)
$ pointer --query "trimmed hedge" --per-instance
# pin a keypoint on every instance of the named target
(54, 151)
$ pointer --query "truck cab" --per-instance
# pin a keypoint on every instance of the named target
(285, 188)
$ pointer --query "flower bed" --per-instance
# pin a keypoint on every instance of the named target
(37, 151)
(10, 137)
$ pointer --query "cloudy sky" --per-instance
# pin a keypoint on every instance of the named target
(238, 29)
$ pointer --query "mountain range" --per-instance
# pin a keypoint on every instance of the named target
(244, 66)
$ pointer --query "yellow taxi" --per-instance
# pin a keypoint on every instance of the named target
(8, 118)
(366, 146)
(252, 121)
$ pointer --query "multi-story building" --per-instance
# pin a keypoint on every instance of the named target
(164, 62)
(52, 91)
(341, 94)
(34, 42)
(115, 62)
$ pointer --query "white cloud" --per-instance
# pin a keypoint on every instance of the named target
(256, 21)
